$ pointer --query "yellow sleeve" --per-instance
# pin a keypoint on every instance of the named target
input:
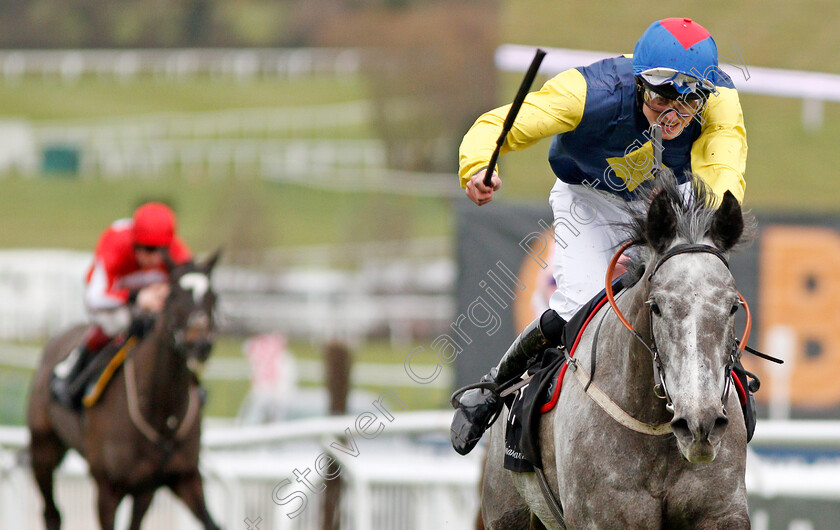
(719, 155)
(556, 108)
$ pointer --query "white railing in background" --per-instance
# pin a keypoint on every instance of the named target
(41, 293)
(223, 158)
(392, 482)
(813, 88)
(248, 122)
(238, 143)
(396, 481)
(795, 434)
(240, 63)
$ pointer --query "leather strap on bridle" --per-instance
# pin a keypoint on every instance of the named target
(679, 249)
(686, 249)
(660, 388)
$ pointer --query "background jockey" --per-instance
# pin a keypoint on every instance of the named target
(600, 117)
(128, 278)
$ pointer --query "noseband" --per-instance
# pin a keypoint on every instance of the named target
(660, 389)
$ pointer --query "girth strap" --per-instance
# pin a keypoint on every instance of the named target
(551, 499)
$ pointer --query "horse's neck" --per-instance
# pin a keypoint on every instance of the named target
(630, 364)
(162, 377)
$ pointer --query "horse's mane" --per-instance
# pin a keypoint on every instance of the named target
(694, 209)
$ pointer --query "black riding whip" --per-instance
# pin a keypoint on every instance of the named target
(514, 110)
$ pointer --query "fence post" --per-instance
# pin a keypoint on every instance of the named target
(337, 371)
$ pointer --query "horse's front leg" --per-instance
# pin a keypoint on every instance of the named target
(109, 497)
(189, 489)
(139, 507)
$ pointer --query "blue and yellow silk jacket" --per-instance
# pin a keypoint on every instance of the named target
(601, 136)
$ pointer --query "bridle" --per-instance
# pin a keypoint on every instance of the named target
(193, 337)
(660, 388)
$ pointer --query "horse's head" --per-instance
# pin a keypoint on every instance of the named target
(188, 314)
(692, 304)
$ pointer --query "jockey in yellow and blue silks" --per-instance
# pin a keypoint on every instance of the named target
(600, 118)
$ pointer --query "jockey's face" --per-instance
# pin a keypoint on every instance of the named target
(672, 115)
(148, 257)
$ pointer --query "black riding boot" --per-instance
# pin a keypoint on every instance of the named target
(478, 408)
(65, 374)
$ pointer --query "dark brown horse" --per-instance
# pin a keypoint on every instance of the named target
(145, 430)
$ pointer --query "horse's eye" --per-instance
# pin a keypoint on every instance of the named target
(735, 307)
(655, 308)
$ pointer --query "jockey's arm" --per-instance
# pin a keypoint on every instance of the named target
(719, 155)
(107, 307)
(556, 108)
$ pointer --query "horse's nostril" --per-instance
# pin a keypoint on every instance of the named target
(680, 427)
(720, 425)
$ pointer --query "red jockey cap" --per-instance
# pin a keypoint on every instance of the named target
(154, 225)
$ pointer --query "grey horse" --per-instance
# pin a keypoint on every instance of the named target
(689, 470)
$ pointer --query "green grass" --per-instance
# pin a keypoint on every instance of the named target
(799, 34)
(39, 99)
(226, 397)
(245, 213)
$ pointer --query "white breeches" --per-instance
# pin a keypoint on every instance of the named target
(585, 239)
(584, 242)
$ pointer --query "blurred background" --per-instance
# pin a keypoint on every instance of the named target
(316, 143)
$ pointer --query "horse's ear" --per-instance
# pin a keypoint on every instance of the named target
(661, 223)
(728, 223)
(210, 262)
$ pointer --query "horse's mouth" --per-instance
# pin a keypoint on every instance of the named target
(699, 452)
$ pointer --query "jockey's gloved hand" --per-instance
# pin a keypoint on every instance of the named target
(152, 298)
(141, 323)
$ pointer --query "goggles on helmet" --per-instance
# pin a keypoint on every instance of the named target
(668, 76)
(683, 107)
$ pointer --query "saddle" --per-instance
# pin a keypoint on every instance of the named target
(97, 371)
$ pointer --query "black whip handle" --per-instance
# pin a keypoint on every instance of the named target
(527, 81)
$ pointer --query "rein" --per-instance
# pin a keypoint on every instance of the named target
(140, 422)
(660, 388)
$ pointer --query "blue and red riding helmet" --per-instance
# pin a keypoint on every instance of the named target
(679, 55)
